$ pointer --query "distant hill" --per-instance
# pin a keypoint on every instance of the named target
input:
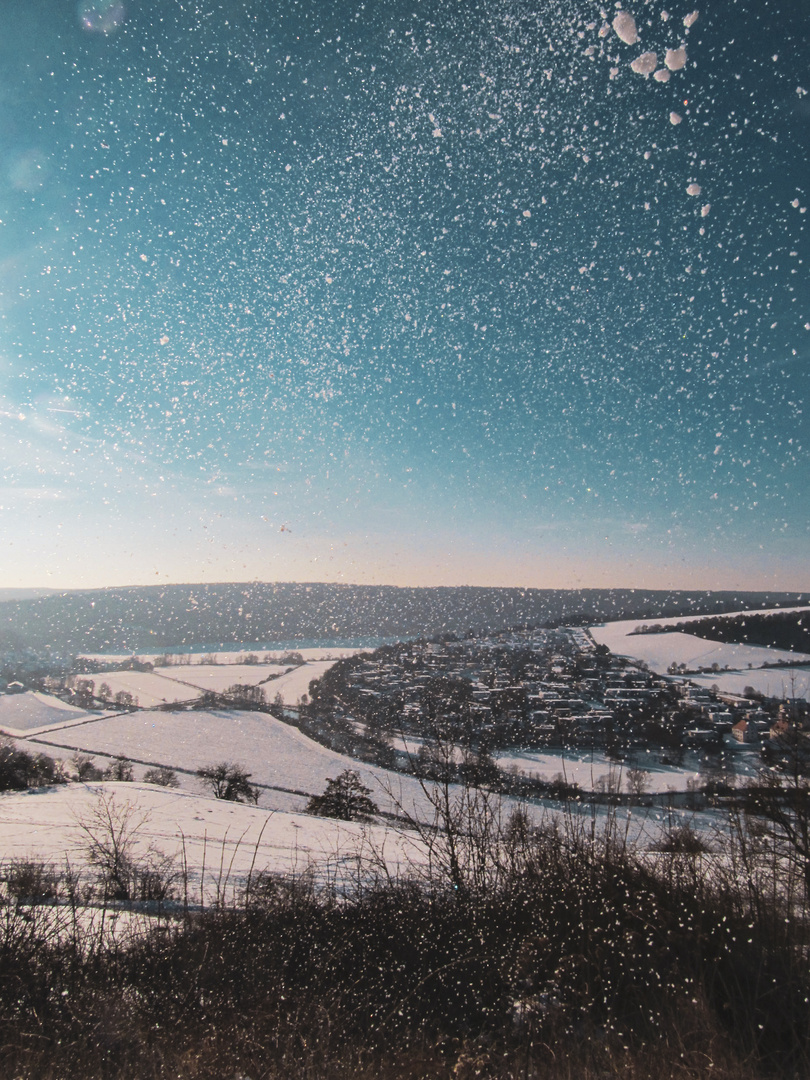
(24, 594)
(157, 617)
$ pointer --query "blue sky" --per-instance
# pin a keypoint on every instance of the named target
(393, 294)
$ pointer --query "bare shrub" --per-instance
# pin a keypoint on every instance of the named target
(683, 840)
(638, 781)
(119, 769)
(111, 831)
(163, 776)
(32, 881)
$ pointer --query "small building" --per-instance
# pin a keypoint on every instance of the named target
(745, 732)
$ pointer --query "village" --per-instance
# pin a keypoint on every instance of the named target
(545, 688)
(506, 707)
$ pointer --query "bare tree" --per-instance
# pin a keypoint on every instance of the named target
(110, 830)
(638, 781)
(469, 841)
(780, 802)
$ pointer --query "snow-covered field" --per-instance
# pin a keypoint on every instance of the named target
(24, 712)
(28, 712)
(221, 844)
(219, 677)
(661, 650)
(147, 687)
(295, 683)
(592, 770)
(186, 682)
(275, 753)
(223, 841)
(773, 682)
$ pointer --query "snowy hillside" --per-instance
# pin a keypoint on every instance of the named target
(224, 839)
(279, 757)
(31, 710)
(745, 662)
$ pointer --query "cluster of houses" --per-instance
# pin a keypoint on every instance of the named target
(552, 688)
(22, 668)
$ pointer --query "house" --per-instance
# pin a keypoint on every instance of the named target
(745, 732)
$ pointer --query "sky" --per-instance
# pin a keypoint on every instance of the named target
(404, 293)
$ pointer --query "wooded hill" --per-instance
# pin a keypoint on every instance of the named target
(157, 618)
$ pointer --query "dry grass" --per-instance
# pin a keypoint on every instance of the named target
(577, 959)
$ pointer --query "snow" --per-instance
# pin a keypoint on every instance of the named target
(31, 710)
(187, 682)
(223, 844)
(645, 64)
(773, 682)
(276, 754)
(227, 839)
(149, 687)
(675, 59)
(662, 75)
(675, 118)
(219, 677)
(694, 189)
(690, 20)
(661, 650)
(589, 767)
(296, 683)
(410, 744)
(625, 26)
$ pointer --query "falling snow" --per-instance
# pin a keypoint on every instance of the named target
(645, 64)
(625, 26)
(675, 59)
(370, 294)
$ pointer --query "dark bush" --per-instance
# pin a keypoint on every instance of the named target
(683, 840)
(119, 769)
(162, 776)
(228, 781)
(345, 797)
(20, 770)
(86, 768)
(32, 881)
